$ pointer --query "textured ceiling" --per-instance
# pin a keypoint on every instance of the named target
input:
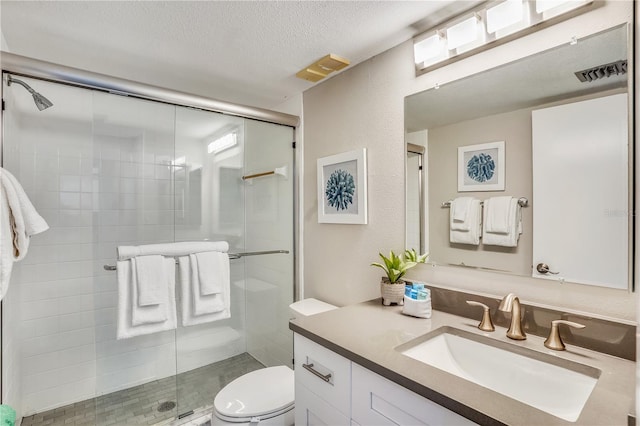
(244, 52)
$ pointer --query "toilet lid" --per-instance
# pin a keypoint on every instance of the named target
(258, 393)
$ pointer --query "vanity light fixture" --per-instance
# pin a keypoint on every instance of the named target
(463, 33)
(504, 15)
(490, 24)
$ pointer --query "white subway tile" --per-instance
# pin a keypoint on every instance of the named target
(69, 200)
(45, 200)
(69, 183)
(69, 166)
(38, 309)
(88, 201)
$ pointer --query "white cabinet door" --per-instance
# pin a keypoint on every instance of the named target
(580, 191)
(378, 401)
(311, 410)
(323, 371)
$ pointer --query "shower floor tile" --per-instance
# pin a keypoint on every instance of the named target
(139, 405)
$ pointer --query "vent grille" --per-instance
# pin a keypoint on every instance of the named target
(602, 71)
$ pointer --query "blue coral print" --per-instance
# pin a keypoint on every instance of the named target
(481, 167)
(340, 189)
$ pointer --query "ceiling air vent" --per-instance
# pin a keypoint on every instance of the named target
(602, 71)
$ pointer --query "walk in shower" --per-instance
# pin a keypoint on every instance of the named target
(106, 170)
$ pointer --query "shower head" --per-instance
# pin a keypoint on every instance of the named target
(41, 102)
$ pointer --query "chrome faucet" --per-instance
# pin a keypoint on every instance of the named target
(510, 303)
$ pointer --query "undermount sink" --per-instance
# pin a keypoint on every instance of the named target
(548, 383)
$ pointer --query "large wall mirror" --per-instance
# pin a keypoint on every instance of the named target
(556, 126)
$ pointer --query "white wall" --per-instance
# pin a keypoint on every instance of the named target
(363, 107)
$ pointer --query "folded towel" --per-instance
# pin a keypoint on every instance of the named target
(459, 213)
(19, 220)
(474, 220)
(135, 320)
(151, 278)
(213, 271)
(172, 249)
(202, 303)
(514, 222)
(189, 294)
(498, 217)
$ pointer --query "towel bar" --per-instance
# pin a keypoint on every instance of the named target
(524, 202)
(231, 256)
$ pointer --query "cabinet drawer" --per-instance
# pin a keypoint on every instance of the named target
(314, 411)
(324, 372)
(378, 401)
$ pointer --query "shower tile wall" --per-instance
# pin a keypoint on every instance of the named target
(98, 168)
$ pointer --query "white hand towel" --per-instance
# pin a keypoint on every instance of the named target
(187, 296)
(19, 220)
(459, 213)
(213, 271)
(151, 278)
(514, 219)
(147, 318)
(172, 249)
(472, 235)
(203, 304)
(498, 219)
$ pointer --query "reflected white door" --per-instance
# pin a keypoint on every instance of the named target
(580, 191)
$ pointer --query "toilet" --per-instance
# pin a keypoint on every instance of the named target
(265, 396)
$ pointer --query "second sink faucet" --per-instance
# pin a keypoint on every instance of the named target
(511, 303)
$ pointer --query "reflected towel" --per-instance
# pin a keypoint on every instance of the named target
(498, 218)
(459, 213)
(19, 221)
(134, 320)
(188, 294)
(474, 219)
(514, 222)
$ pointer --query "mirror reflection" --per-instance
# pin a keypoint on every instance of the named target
(551, 128)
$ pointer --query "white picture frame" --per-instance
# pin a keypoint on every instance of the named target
(481, 167)
(342, 188)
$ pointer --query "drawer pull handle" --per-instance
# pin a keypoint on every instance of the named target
(309, 367)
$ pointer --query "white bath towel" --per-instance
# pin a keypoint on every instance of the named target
(513, 221)
(213, 272)
(135, 320)
(151, 279)
(204, 304)
(172, 249)
(459, 213)
(188, 296)
(474, 220)
(19, 221)
(498, 215)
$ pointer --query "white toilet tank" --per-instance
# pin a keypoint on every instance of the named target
(308, 307)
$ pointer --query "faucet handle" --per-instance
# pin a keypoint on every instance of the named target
(486, 324)
(554, 341)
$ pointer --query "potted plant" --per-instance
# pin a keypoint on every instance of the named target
(392, 286)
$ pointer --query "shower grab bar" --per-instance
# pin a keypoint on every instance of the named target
(231, 256)
(522, 201)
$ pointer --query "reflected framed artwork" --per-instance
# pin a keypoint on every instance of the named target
(481, 167)
(342, 188)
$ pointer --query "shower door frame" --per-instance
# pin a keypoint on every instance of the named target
(48, 71)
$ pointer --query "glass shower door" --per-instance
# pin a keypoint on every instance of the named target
(130, 191)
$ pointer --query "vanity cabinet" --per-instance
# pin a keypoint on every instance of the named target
(354, 395)
(323, 385)
(379, 401)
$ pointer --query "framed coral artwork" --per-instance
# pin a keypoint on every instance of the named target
(481, 167)
(342, 188)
